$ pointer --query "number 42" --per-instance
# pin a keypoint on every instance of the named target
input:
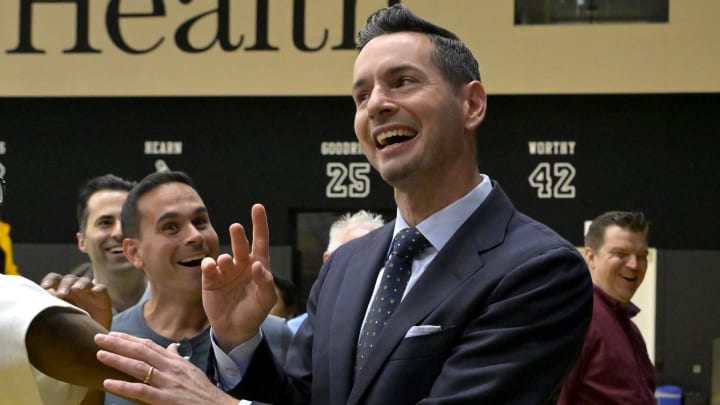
(553, 181)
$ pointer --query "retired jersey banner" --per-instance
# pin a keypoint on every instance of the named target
(306, 47)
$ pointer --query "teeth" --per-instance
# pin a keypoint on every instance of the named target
(193, 259)
(116, 250)
(384, 138)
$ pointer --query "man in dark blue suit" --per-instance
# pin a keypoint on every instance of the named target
(492, 309)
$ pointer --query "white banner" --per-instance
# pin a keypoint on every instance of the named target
(305, 47)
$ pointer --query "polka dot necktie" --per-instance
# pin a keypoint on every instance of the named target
(407, 244)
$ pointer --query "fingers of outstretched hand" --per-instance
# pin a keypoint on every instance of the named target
(225, 262)
(135, 368)
(186, 385)
(51, 280)
(130, 351)
(239, 242)
(261, 235)
(63, 286)
(82, 284)
(266, 286)
(137, 391)
(208, 266)
(99, 289)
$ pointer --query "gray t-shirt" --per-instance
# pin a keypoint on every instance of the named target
(132, 322)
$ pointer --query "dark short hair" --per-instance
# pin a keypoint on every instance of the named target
(92, 186)
(633, 221)
(451, 54)
(130, 217)
(287, 289)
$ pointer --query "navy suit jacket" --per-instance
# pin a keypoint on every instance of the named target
(512, 298)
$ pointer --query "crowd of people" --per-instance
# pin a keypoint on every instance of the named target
(460, 299)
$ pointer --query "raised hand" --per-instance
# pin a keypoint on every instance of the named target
(238, 290)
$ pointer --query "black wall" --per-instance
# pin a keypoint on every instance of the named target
(655, 153)
(688, 319)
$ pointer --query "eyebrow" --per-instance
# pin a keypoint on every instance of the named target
(104, 217)
(175, 214)
(392, 71)
(627, 250)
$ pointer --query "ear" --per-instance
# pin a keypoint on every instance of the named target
(131, 251)
(589, 258)
(475, 104)
(81, 242)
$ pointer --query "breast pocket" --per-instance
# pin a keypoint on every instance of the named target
(414, 365)
(434, 344)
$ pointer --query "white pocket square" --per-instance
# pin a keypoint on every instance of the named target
(420, 330)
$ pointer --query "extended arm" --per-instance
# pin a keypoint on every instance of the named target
(60, 344)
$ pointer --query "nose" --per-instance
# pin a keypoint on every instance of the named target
(635, 262)
(379, 103)
(117, 231)
(194, 235)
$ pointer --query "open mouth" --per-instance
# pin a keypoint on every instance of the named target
(116, 250)
(193, 261)
(393, 136)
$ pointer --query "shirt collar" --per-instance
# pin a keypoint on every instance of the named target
(442, 225)
(629, 309)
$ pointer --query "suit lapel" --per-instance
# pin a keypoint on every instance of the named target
(459, 259)
(357, 285)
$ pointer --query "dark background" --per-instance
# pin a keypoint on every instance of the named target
(657, 153)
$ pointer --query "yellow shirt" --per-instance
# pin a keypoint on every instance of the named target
(6, 245)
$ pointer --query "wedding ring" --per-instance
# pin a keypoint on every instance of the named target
(149, 375)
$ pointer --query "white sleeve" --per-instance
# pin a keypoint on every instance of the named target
(21, 301)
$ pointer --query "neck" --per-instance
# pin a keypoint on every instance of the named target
(423, 200)
(125, 287)
(174, 318)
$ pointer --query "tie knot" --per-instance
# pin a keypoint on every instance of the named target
(408, 243)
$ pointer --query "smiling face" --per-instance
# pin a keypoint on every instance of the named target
(175, 235)
(618, 267)
(413, 126)
(102, 237)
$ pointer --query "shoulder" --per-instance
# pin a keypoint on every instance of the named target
(21, 300)
(530, 241)
(526, 242)
(497, 227)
